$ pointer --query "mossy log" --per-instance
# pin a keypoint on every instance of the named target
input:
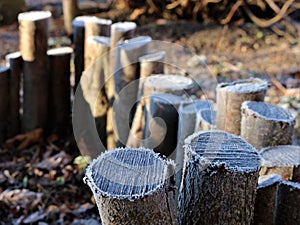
(4, 101)
(141, 193)
(219, 179)
(230, 97)
(264, 124)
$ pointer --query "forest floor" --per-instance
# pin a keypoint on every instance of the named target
(43, 184)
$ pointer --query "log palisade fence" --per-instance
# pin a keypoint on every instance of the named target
(217, 177)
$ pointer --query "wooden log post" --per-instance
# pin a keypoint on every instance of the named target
(15, 63)
(288, 201)
(126, 85)
(283, 160)
(264, 124)
(149, 64)
(119, 32)
(70, 11)
(141, 193)
(94, 26)
(265, 201)
(4, 102)
(207, 119)
(219, 179)
(93, 82)
(60, 90)
(230, 97)
(33, 29)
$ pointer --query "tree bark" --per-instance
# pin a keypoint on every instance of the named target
(119, 32)
(15, 63)
(33, 28)
(4, 102)
(288, 201)
(59, 90)
(149, 64)
(219, 179)
(207, 119)
(264, 124)
(142, 192)
(126, 85)
(265, 201)
(70, 11)
(283, 160)
(230, 96)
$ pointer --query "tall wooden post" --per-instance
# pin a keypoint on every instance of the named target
(140, 194)
(4, 101)
(219, 179)
(70, 11)
(264, 124)
(283, 160)
(15, 63)
(33, 28)
(230, 97)
(59, 90)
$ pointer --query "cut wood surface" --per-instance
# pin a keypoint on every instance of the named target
(4, 101)
(33, 29)
(264, 124)
(265, 201)
(15, 63)
(59, 90)
(283, 160)
(219, 179)
(141, 193)
(230, 97)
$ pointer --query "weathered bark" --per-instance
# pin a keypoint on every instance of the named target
(70, 11)
(149, 64)
(264, 124)
(15, 62)
(141, 193)
(59, 90)
(4, 102)
(283, 160)
(33, 28)
(94, 27)
(126, 84)
(207, 120)
(93, 82)
(265, 201)
(230, 97)
(119, 32)
(288, 201)
(219, 179)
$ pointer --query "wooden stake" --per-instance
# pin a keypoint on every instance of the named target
(59, 90)
(4, 102)
(70, 11)
(140, 194)
(219, 179)
(288, 201)
(283, 160)
(207, 119)
(33, 28)
(265, 201)
(14, 62)
(266, 124)
(149, 64)
(230, 96)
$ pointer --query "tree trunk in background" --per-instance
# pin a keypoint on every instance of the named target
(219, 180)
(265, 201)
(4, 102)
(230, 97)
(119, 32)
(149, 64)
(33, 28)
(59, 90)
(70, 11)
(264, 125)
(283, 160)
(15, 63)
(141, 194)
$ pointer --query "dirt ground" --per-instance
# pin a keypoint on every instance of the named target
(223, 53)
